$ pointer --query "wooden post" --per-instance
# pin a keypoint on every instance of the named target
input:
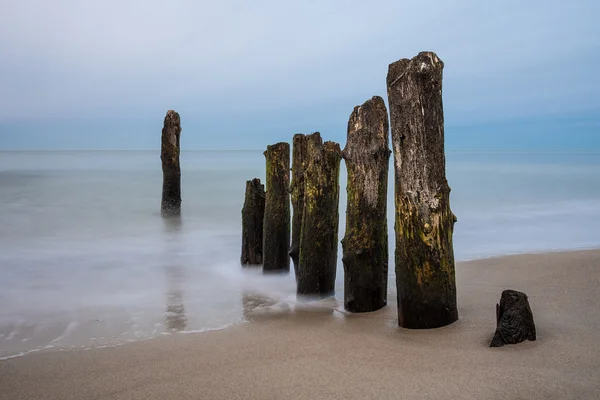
(253, 214)
(276, 229)
(299, 160)
(319, 232)
(425, 276)
(169, 155)
(365, 244)
(514, 319)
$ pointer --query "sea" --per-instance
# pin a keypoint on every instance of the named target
(87, 261)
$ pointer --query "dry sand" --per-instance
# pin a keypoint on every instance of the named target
(325, 354)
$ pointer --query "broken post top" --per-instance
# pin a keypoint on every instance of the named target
(316, 147)
(368, 131)
(170, 138)
(416, 112)
(299, 159)
(424, 63)
(278, 165)
(256, 186)
(277, 147)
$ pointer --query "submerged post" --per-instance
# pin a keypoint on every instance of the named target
(365, 244)
(319, 231)
(253, 214)
(299, 160)
(276, 229)
(425, 276)
(169, 155)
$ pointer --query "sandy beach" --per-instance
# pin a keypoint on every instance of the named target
(324, 353)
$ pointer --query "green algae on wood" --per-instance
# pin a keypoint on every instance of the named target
(424, 223)
(169, 155)
(276, 227)
(320, 216)
(299, 161)
(365, 244)
(253, 214)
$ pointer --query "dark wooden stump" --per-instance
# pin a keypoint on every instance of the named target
(276, 229)
(319, 232)
(253, 215)
(169, 155)
(299, 161)
(425, 277)
(365, 244)
(514, 319)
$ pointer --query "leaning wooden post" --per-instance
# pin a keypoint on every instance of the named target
(253, 214)
(365, 244)
(297, 190)
(169, 155)
(276, 229)
(319, 232)
(425, 276)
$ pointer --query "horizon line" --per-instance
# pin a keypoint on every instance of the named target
(454, 150)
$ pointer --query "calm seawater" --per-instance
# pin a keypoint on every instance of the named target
(86, 259)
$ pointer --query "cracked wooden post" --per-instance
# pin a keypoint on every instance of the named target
(425, 276)
(319, 232)
(253, 214)
(297, 191)
(365, 244)
(169, 155)
(276, 228)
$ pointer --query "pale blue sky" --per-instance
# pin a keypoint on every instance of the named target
(101, 75)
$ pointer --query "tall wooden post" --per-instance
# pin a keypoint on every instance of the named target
(253, 214)
(319, 232)
(425, 276)
(276, 229)
(299, 161)
(365, 244)
(169, 155)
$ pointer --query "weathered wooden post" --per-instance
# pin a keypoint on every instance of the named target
(365, 244)
(319, 232)
(425, 276)
(276, 229)
(169, 155)
(253, 214)
(514, 319)
(299, 161)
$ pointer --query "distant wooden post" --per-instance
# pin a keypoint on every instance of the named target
(365, 243)
(276, 229)
(319, 232)
(253, 214)
(299, 160)
(169, 155)
(425, 276)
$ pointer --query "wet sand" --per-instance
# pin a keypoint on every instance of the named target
(323, 353)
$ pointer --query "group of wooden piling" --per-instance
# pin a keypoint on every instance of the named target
(424, 259)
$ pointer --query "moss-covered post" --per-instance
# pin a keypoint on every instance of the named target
(425, 276)
(253, 214)
(319, 231)
(169, 155)
(365, 244)
(297, 190)
(276, 229)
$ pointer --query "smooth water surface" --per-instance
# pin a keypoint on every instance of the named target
(86, 260)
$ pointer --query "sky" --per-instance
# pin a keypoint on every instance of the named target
(75, 74)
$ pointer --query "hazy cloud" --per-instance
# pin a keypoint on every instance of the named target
(267, 68)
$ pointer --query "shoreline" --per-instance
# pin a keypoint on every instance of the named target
(325, 353)
(339, 308)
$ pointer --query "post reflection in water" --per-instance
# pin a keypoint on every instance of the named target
(175, 319)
